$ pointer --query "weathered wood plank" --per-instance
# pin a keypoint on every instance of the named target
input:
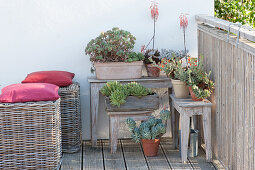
(113, 161)
(92, 156)
(158, 162)
(133, 155)
(199, 162)
(134, 103)
(173, 156)
(72, 161)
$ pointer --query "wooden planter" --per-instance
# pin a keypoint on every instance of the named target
(119, 70)
(133, 103)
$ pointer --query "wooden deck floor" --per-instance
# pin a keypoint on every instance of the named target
(130, 156)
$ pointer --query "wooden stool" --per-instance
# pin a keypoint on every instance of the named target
(117, 117)
(188, 108)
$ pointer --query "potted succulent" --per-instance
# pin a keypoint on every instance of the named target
(177, 72)
(149, 132)
(112, 56)
(127, 97)
(152, 56)
(200, 85)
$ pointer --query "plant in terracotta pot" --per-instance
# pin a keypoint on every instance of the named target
(152, 56)
(149, 132)
(112, 57)
(200, 85)
(177, 72)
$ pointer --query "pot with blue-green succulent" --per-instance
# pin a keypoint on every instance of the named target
(149, 132)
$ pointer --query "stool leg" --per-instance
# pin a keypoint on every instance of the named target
(207, 132)
(185, 122)
(174, 126)
(114, 126)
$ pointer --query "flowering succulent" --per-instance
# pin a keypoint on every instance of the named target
(184, 25)
(151, 129)
(198, 79)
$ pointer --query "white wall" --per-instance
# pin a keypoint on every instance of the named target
(52, 34)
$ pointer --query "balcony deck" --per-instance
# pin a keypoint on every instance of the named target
(130, 156)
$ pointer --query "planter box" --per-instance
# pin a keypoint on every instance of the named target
(119, 70)
(133, 103)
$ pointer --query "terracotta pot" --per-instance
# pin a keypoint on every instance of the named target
(193, 96)
(150, 146)
(152, 70)
(181, 90)
(119, 70)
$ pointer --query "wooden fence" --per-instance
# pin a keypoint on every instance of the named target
(233, 70)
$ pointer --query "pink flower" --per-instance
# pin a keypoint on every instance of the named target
(154, 10)
(142, 48)
(183, 21)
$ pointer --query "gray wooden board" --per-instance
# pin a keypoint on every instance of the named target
(113, 161)
(133, 155)
(92, 156)
(134, 103)
(158, 162)
(173, 155)
(189, 102)
(72, 161)
(199, 162)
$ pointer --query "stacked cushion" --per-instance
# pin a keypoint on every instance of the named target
(59, 78)
(29, 92)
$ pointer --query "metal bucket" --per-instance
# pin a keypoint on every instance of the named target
(193, 143)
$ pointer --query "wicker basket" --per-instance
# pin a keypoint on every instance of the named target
(30, 135)
(70, 118)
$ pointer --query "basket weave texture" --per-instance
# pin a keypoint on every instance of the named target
(70, 118)
(30, 135)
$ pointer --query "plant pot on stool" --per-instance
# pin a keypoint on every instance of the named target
(181, 90)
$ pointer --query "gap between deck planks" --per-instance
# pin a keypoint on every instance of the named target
(130, 156)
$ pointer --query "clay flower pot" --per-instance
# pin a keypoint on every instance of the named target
(181, 90)
(193, 96)
(152, 70)
(150, 146)
(119, 70)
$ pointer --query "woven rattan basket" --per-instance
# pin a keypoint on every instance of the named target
(70, 118)
(30, 135)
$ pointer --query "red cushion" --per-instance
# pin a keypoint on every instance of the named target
(29, 92)
(59, 78)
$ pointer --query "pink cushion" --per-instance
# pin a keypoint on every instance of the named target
(29, 92)
(59, 78)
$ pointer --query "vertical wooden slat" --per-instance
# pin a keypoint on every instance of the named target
(233, 71)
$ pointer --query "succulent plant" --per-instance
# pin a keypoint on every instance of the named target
(151, 129)
(118, 92)
(164, 114)
(118, 97)
(136, 89)
(111, 46)
(133, 56)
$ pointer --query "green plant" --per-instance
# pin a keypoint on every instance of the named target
(198, 79)
(151, 55)
(118, 92)
(133, 56)
(151, 129)
(242, 11)
(111, 46)
(136, 89)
